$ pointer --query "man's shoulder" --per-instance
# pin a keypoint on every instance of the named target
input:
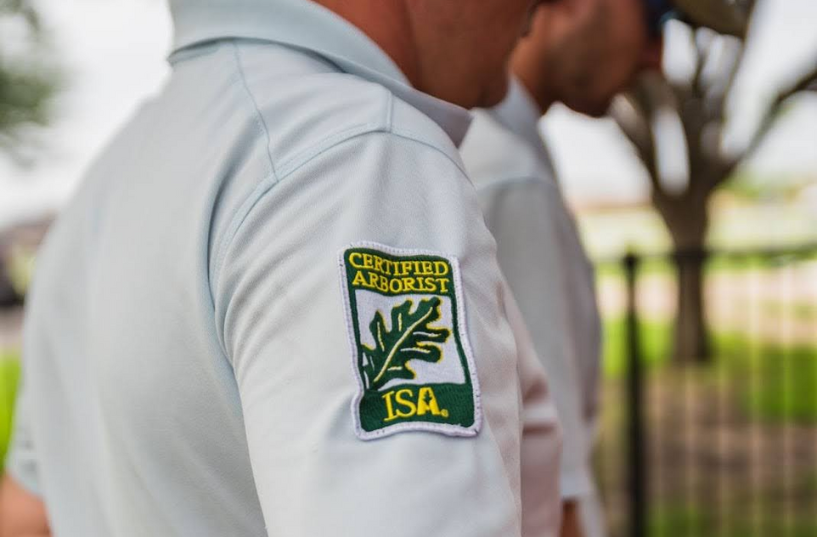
(495, 156)
(308, 107)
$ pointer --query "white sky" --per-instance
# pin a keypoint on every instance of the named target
(115, 52)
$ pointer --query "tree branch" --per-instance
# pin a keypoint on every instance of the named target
(635, 116)
(807, 82)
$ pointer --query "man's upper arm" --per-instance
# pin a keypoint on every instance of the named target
(525, 217)
(304, 353)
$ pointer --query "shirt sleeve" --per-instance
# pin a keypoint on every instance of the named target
(279, 299)
(541, 495)
(525, 217)
(21, 459)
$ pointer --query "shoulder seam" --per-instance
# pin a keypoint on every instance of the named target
(285, 168)
(414, 137)
(295, 162)
(269, 182)
(259, 118)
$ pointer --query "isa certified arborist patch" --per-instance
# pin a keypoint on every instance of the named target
(410, 352)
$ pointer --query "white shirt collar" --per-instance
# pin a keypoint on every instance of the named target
(305, 25)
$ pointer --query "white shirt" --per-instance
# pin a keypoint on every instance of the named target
(273, 309)
(541, 255)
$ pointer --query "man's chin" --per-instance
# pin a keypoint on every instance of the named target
(495, 93)
(592, 108)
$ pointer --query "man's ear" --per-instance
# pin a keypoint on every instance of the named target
(543, 13)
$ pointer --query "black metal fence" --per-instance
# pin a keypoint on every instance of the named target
(724, 446)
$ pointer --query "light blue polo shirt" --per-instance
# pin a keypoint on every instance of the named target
(273, 308)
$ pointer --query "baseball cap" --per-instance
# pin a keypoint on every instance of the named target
(723, 16)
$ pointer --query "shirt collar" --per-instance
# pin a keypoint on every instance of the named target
(520, 114)
(305, 25)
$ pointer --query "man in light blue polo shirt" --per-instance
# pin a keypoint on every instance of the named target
(581, 53)
(273, 307)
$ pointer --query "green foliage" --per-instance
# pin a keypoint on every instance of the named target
(411, 338)
(27, 82)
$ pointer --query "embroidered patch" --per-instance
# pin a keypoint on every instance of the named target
(410, 350)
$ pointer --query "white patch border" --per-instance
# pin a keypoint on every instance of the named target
(442, 428)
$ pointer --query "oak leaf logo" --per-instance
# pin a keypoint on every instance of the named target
(412, 337)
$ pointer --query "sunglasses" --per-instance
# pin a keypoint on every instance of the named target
(658, 12)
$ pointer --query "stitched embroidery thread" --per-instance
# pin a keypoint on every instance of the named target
(410, 352)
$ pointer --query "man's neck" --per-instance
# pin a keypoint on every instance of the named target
(527, 67)
(386, 23)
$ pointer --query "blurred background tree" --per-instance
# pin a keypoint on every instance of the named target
(698, 103)
(28, 80)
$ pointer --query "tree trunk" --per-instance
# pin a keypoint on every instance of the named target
(688, 224)
(690, 343)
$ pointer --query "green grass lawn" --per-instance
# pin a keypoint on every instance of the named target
(776, 383)
(780, 380)
(656, 344)
(9, 375)
(769, 511)
(676, 520)
(765, 385)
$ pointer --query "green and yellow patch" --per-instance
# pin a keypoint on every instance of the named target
(409, 346)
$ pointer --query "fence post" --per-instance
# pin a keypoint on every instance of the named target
(636, 445)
